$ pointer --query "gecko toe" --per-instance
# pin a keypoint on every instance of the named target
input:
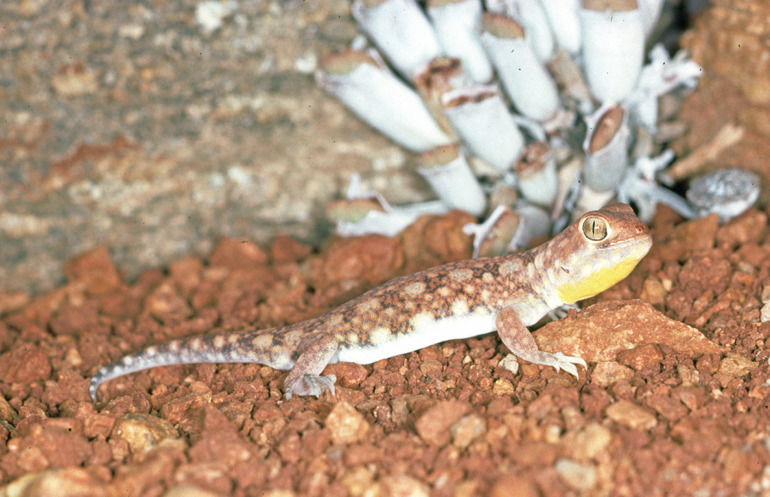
(570, 368)
(568, 363)
(561, 362)
(571, 359)
(311, 385)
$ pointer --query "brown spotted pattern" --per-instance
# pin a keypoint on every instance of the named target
(525, 283)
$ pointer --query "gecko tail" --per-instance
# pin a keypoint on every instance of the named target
(249, 347)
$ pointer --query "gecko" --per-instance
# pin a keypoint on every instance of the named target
(453, 301)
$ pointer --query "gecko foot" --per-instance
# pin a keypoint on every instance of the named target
(557, 360)
(311, 385)
(565, 362)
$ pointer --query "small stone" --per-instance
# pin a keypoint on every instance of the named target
(466, 489)
(346, 424)
(349, 374)
(607, 373)
(290, 448)
(726, 192)
(587, 443)
(753, 255)
(444, 237)
(502, 388)
(51, 442)
(165, 302)
(736, 366)
(653, 291)
(189, 491)
(577, 476)
(278, 493)
(692, 397)
(186, 273)
(358, 480)
(764, 314)
(12, 301)
(433, 426)
(404, 486)
(466, 430)
(142, 432)
(73, 319)
(286, 249)
(431, 369)
(705, 272)
(7, 412)
(510, 362)
(641, 357)
(24, 363)
(688, 238)
(371, 258)
(765, 295)
(514, 486)
(76, 481)
(94, 268)
(736, 464)
(628, 414)
(236, 254)
(668, 407)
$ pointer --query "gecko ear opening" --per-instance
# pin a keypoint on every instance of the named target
(594, 228)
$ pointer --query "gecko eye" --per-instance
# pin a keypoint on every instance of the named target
(595, 228)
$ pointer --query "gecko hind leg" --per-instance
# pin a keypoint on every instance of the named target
(305, 377)
(519, 340)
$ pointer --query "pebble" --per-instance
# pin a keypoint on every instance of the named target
(726, 192)
(577, 476)
(632, 416)
(346, 425)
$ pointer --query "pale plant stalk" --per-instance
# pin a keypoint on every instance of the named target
(536, 173)
(447, 172)
(613, 47)
(400, 31)
(521, 74)
(565, 25)
(531, 16)
(486, 126)
(379, 98)
(606, 148)
(458, 25)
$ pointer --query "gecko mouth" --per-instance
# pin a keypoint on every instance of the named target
(642, 239)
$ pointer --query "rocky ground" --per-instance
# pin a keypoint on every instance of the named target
(133, 139)
(675, 400)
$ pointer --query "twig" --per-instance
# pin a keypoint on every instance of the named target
(726, 137)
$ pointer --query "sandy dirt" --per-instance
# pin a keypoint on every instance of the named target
(675, 400)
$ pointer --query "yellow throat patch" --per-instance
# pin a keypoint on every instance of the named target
(597, 282)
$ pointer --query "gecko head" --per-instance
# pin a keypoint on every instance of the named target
(596, 252)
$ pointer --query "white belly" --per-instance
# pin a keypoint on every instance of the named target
(427, 331)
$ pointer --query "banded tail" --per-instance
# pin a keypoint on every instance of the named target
(273, 347)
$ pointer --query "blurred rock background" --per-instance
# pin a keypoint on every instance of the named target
(731, 41)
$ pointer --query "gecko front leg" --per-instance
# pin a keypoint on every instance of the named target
(519, 340)
(315, 352)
